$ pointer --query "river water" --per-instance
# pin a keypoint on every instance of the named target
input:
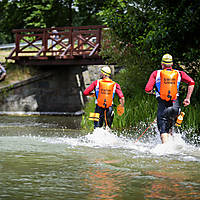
(43, 158)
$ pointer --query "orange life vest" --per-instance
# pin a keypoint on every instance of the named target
(168, 84)
(105, 92)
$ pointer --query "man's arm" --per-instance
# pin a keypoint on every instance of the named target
(120, 94)
(122, 101)
(187, 79)
(186, 101)
(151, 82)
(90, 88)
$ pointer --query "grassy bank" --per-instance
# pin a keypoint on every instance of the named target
(14, 72)
(3, 55)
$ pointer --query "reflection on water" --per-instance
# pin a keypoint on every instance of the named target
(43, 158)
(171, 185)
(104, 184)
(41, 121)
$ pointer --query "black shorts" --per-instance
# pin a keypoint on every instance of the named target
(109, 116)
(167, 114)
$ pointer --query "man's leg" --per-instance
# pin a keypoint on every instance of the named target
(109, 116)
(168, 113)
(98, 124)
(163, 120)
(164, 137)
(172, 112)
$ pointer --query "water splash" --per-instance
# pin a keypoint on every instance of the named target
(104, 138)
(99, 138)
(175, 145)
(149, 145)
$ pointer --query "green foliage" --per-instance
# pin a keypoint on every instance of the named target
(37, 17)
(137, 67)
(140, 108)
(46, 13)
(86, 123)
(3, 38)
(87, 12)
(157, 27)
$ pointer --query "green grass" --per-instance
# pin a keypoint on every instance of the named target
(17, 73)
(140, 108)
(192, 117)
(14, 72)
(3, 55)
(90, 107)
(137, 109)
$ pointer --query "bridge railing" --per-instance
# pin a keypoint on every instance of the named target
(59, 42)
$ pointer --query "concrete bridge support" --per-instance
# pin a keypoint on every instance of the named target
(55, 90)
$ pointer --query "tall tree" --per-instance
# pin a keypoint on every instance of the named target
(46, 13)
(61, 13)
(155, 27)
(87, 11)
(143, 30)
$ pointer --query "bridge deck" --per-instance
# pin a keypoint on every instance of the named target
(58, 46)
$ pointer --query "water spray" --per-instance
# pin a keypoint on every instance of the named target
(146, 130)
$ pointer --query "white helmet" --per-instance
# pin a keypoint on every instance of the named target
(106, 71)
(167, 59)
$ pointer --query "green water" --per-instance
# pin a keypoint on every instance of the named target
(41, 158)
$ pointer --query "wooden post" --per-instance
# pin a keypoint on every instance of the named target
(99, 38)
(71, 41)
(45, 42)
(17, 39)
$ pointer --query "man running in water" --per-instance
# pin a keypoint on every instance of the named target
(166, 82)
(105, 90)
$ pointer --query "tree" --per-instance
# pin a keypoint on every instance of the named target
(143, 30)
(87, 12)
(157, 26)
(46, 13)
(22, 14)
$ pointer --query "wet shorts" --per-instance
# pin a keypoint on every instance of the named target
(167, 114)
(109, 116)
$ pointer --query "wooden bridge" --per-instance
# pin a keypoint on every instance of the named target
(58, 46)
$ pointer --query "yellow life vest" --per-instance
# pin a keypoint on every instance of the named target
(105, 93)
(168, 84)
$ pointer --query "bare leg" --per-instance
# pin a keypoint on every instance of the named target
(164, 137)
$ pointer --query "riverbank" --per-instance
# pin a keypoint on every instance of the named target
(3, 55)
(15, 73)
